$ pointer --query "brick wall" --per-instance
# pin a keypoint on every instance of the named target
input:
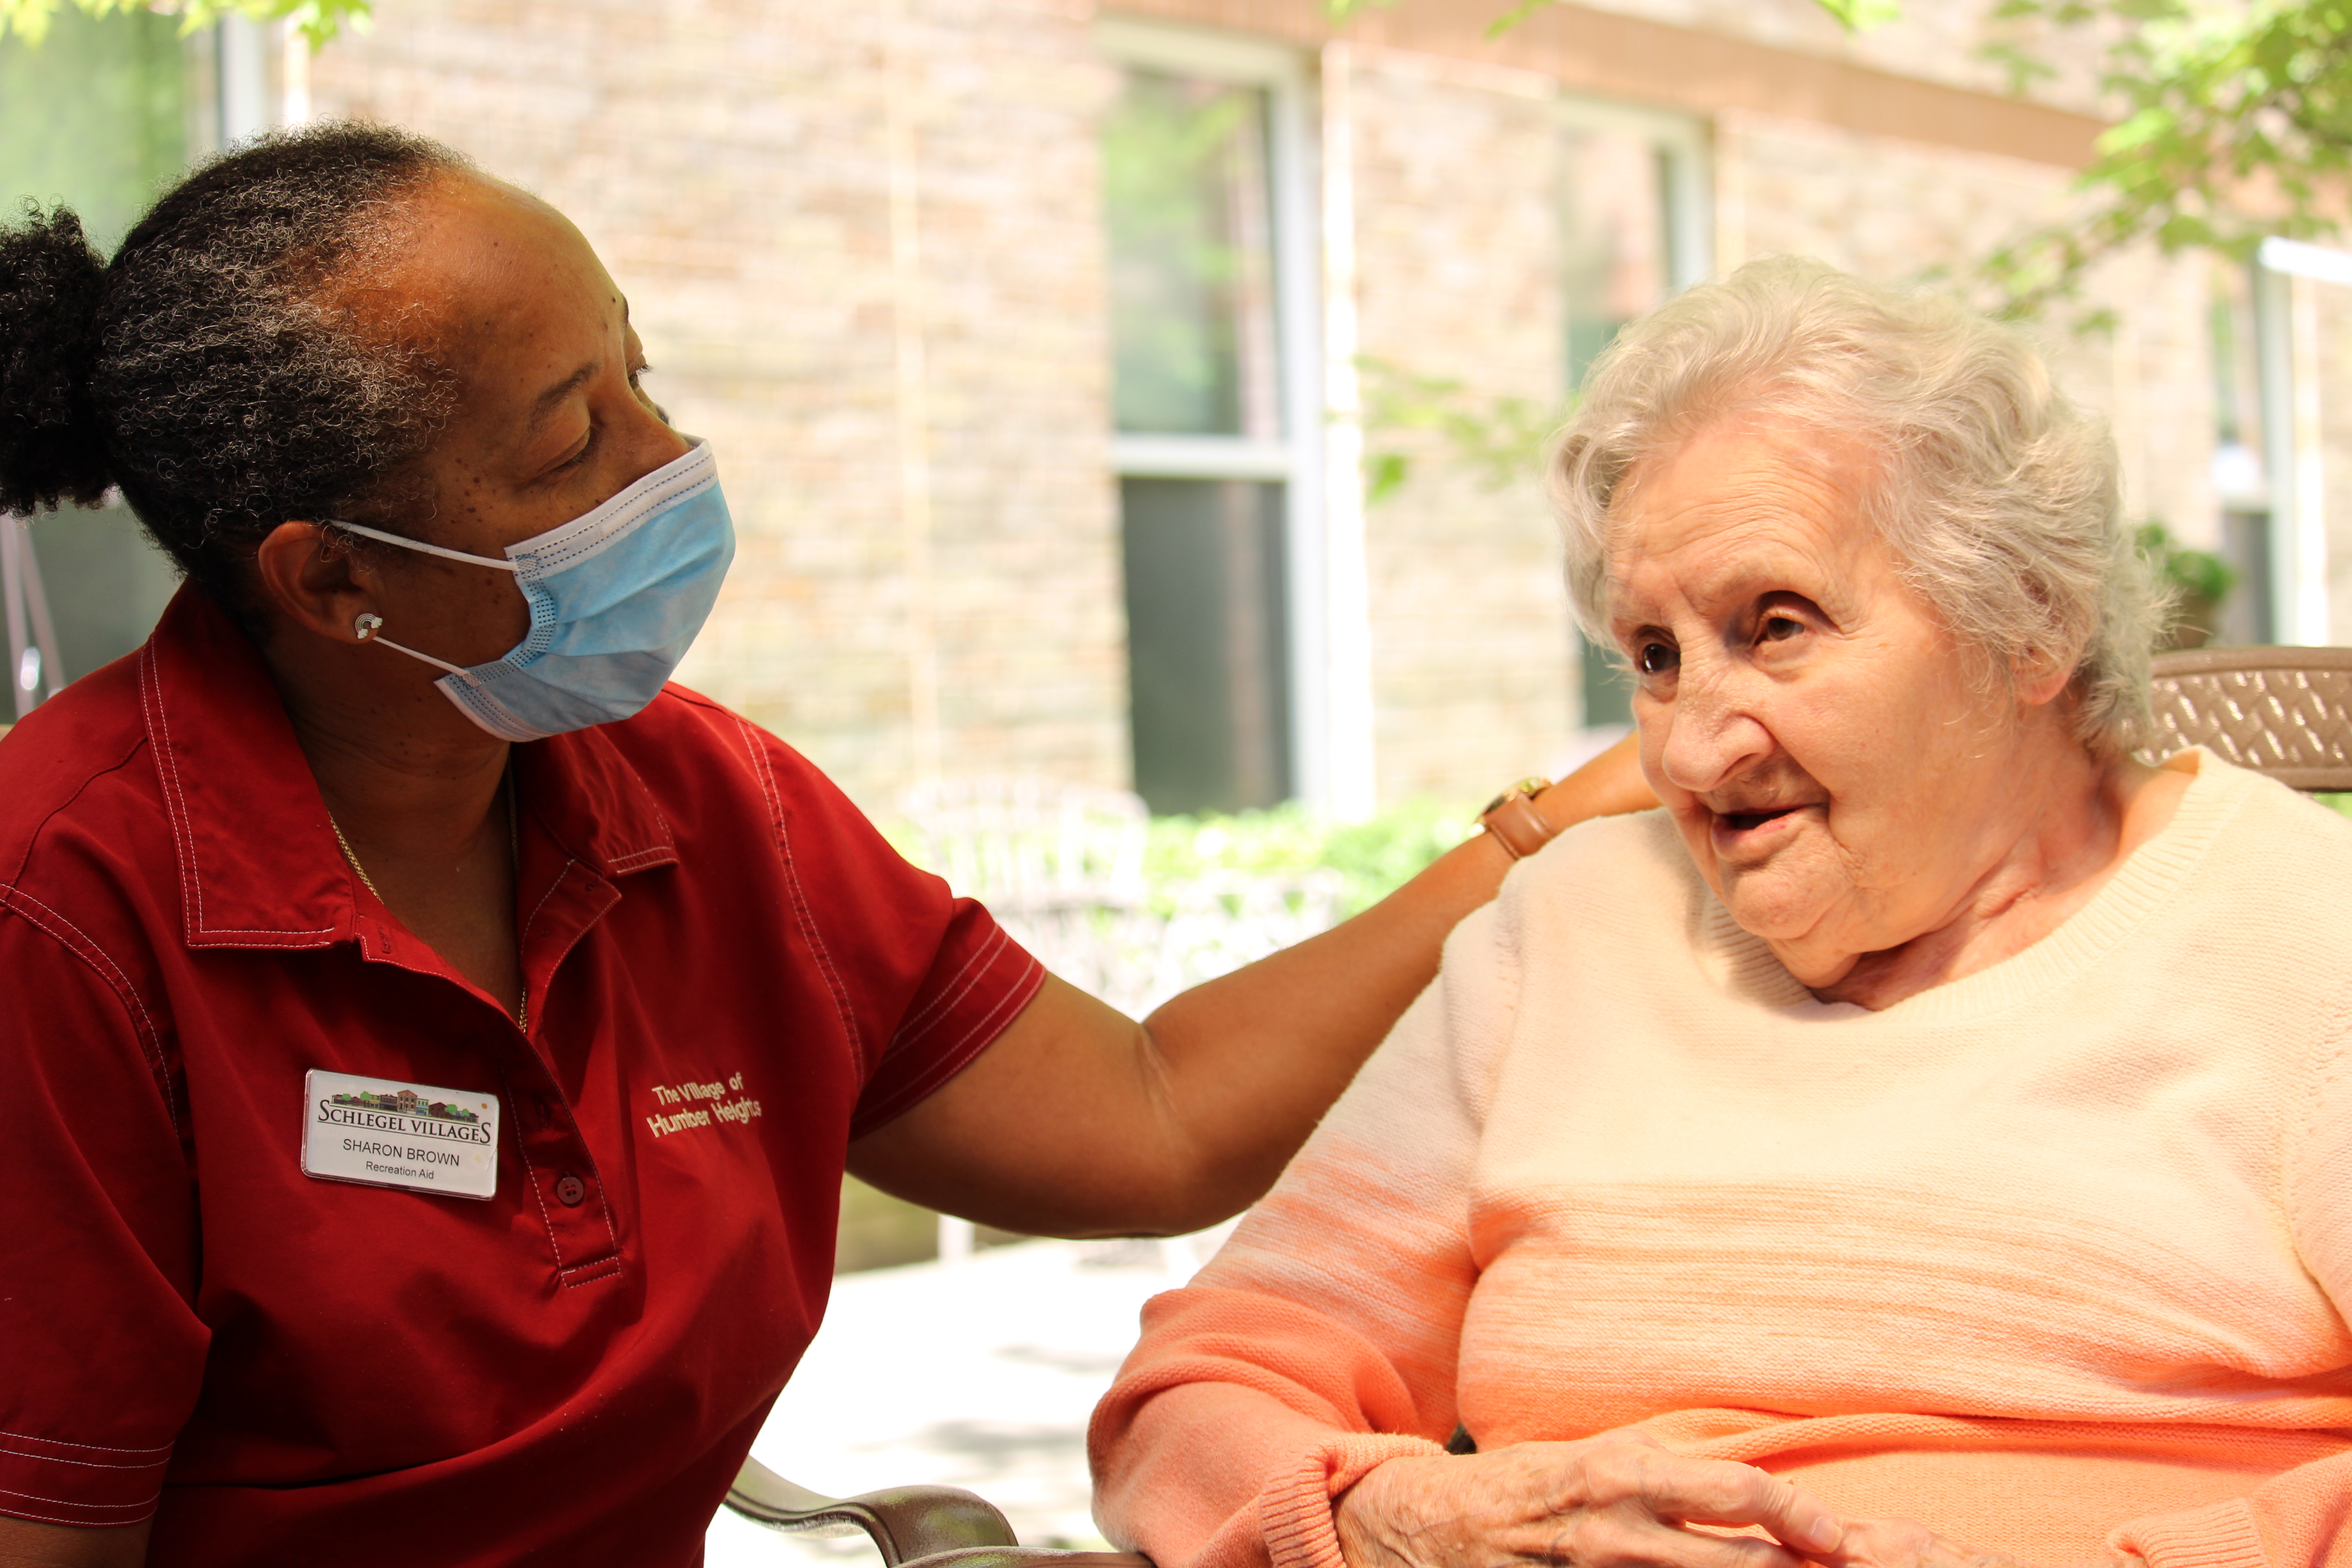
(732, 162)
(1931, 40)
(1898, 210)
(912, 419)
(1457, 234)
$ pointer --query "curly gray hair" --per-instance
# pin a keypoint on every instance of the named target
(210, 370)
(1998, 496)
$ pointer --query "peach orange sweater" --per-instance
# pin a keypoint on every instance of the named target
(2049, 1258)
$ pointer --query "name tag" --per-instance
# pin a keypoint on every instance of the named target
(407, 1135)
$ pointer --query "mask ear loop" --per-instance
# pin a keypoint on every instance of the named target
(406, 543)
(427, 658)
(368, 623)
(367, 627)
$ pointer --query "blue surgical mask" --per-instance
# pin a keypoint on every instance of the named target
(616, 596)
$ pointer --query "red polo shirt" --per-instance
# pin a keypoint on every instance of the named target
(282, 1368)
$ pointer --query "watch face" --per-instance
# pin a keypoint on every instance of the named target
(1529, 787)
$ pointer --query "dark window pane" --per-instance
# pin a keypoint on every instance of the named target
(1191, 258)
(1608, 689)
(1208, 653)
(2245, 618)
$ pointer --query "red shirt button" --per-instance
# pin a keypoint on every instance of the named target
(571, 1190)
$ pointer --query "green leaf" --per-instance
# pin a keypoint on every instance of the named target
(1385, 474)
(1861, 16)
(1514, 15)
(318, 20)
(1496, 441)
(2217, 100)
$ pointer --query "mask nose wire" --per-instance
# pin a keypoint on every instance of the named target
(406, 543)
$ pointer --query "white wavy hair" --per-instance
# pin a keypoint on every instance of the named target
(1997, 495)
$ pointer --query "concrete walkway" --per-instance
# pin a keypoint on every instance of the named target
(979, 1375)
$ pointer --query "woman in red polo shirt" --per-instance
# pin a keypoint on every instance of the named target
(430, 1044)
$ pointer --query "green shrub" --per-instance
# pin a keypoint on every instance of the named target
(1372, 857)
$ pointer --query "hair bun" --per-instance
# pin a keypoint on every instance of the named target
(51, 448)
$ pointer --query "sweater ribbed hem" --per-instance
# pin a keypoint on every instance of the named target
(1296, 1509)
(2218, 1535)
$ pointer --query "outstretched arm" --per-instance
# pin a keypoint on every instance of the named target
(1080, 1121)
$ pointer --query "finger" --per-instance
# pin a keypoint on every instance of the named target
(1897, 1543)
(1790, 1513)
(1629, 1538)
(1700, 1550)
(1713, 1491)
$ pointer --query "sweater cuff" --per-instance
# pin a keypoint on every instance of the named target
(2218, 1535)
(1295, 1511)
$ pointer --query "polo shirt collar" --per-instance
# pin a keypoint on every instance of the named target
(257, 858)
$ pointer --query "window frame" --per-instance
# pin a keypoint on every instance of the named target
(1297, 459)
(1688, 148)
(1684, 144)
(2287, 274)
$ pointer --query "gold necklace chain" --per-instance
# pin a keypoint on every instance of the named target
(514, 848)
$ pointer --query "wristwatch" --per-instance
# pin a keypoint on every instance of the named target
(1514, 822)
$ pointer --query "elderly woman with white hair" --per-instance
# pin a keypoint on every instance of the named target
(1927, 1140)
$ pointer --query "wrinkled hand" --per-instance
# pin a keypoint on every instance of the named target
(1615, 1501)
(1906, 1543)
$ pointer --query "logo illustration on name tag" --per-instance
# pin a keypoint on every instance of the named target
(413, 1136)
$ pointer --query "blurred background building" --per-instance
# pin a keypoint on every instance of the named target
(1146, 396)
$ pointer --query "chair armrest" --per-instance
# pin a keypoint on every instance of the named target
(904, 1522)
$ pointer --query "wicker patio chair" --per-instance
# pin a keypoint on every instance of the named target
(2283, 712)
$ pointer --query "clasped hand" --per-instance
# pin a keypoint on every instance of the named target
(1621, 1500)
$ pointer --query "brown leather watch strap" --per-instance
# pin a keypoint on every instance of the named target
(1515, 821)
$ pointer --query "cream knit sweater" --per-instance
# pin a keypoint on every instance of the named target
(2049, 1258)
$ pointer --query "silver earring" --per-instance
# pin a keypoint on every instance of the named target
(365, 624)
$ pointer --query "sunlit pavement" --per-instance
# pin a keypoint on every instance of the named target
(979, 1375)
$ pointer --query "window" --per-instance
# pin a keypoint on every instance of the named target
(100, 117)
(1633, 231)
(1201, 159)
(1191, 258)
(1207, 621)
(2240, 483)
(2302, 312)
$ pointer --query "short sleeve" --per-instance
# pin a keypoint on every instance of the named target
(104, 1353)
(927, 980)
(978, 983)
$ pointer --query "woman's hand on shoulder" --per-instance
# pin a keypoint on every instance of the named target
(1609, 784)
(1615, 1501)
